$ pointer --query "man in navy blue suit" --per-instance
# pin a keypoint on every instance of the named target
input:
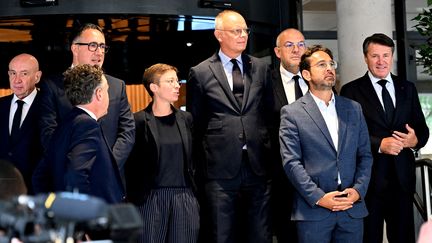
(326, 155)
(21, 146)
(79, 157)
(397, 129)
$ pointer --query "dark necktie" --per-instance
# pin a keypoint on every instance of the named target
(238, 86)
(388, 103)
(16, 121)
(298, 91)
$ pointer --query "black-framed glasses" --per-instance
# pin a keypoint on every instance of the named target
(93, 46)
(323, 65)
(290, 45)
(238, 32)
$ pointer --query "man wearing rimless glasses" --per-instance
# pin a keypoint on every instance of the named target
(89, 47)
(230, 98)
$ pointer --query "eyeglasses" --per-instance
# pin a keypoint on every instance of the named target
(172, 82)
(323, 65)
(238, 32)
(290, 45)
(93, 46)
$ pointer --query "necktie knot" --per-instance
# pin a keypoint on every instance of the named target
(20, 103)
(382, 82)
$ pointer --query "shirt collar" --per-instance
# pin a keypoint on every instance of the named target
(289, 75)
(88, 112)
(374, 80)
(225, 59)
(320, 102)
(28, 99)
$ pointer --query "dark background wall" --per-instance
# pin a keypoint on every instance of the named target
(132, 48)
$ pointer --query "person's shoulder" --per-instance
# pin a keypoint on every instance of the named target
(213, 58)
(6, 98)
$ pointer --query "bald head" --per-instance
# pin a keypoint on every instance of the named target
(289, 49)
(23, 74)
(231, 32)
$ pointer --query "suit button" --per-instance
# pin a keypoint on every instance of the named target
(241, 136)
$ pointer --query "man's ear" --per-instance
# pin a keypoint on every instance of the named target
(277, 52)
(306, 75)
(217, 34)
(38, 76)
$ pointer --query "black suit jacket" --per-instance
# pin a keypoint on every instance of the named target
(79, 157)
(142, 166)
(27, 151)
(222, 127)
(408, 111)
(118, 125)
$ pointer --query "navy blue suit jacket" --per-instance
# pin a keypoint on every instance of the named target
(143, 163)
(79, 157)
(222, 127)
(26, 153)
(408, 111)
(118, 125)
(312, 162)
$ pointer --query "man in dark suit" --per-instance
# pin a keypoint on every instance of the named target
(20, 144)
(326, 155)
(79, 157)
(288, 85)
(230, 98)
(397, 127)
(88, 47)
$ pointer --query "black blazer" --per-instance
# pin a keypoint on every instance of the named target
(26, 153)
(118, 125)
(141, 167)
(408, 111)
(222, 127)
(79, 157)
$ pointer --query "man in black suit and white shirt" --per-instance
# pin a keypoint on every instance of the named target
(20, 144)
(396, 127)
(288, 86)
(230, 98)
(89, 47)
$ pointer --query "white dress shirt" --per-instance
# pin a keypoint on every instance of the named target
(28, 101)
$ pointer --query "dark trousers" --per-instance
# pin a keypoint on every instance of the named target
(239, 207)
(281, 206)
(339, 227)
(395, 206)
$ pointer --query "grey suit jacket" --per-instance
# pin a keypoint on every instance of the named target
(312, 162)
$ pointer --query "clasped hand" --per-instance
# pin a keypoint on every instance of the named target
(339, 201)
(398, 141)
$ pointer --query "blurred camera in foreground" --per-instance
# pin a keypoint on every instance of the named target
(67, 217)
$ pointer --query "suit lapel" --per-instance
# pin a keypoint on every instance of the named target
(181, 124)
(248, 71)
(312, 109)
(401, 98)
(370, 97)
(343, 118)
(151, 121)
(219, 73)
(278, 88)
